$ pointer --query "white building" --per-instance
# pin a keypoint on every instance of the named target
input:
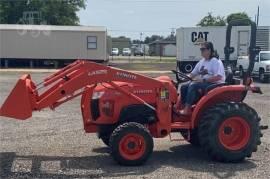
(169, 50)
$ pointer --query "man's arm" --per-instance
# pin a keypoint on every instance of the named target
(213, 79)
(218, 73)
(195, 72)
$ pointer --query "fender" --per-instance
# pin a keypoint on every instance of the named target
(233, 93)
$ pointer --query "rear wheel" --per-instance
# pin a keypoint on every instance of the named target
(131, 144)
(229, 132)
(193, 139)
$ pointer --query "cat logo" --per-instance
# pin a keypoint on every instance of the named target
(199, 37)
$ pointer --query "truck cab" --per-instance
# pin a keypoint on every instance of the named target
(261, 67)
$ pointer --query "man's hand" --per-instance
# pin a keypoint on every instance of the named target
(204, 72)
(198, 80)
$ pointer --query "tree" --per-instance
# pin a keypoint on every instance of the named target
(53, 12)
(171, 37)
(211, 20)
(153, 38)
(239, 15)
(136, 41)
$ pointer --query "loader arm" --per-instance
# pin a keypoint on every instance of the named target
(67, 84)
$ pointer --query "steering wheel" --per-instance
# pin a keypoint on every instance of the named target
(181, 77)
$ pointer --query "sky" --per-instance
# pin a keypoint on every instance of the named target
(132, 17)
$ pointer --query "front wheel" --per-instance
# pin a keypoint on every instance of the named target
(229, 132)
(131, 144)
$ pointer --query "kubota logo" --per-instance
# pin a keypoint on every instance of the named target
(126, 75)
(97, 72)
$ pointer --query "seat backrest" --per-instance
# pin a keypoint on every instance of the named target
(229, 76)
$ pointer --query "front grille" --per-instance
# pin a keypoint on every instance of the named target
(95, 109)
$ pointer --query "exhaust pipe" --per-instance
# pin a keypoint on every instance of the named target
(21, 101)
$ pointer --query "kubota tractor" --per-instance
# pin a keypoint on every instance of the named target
(127, 110)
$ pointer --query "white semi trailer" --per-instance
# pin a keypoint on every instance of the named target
(190, 38)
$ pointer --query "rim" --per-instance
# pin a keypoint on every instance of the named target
(132, 146)
(234, 133)
(188, 68)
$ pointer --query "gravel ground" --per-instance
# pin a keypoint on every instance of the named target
(52, 144)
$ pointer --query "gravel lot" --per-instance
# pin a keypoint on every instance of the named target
(52, 144)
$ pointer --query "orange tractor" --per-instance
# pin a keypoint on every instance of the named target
(127, 110)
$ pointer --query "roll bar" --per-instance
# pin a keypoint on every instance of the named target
(253, 50)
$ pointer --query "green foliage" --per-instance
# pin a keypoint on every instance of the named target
(239, 15)
(153, 38)
(211, 20)
(53, 12)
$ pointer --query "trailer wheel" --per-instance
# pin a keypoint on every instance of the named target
(229, 132)
(188, 68)
(131, 144)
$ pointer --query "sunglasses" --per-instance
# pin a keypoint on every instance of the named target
(203, 49)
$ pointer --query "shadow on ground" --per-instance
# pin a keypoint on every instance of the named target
(183, 157)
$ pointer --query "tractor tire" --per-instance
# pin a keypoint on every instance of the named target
(131, 144)
(230, 132)
(194, 139)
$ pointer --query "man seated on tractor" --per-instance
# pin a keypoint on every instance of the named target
(208, 71)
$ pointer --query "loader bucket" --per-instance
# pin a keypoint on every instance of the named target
(18, 104)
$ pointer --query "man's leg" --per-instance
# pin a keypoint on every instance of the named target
(192, 95)
(193, 92)
(184, 90)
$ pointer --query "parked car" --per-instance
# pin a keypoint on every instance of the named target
(126, 52)
(115, 52)
(261, 67)
(138, 51)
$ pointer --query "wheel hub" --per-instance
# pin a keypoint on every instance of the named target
(132, 146)
(234, 133)
(227, 130)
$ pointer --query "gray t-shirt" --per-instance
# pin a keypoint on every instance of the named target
(208, 68)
